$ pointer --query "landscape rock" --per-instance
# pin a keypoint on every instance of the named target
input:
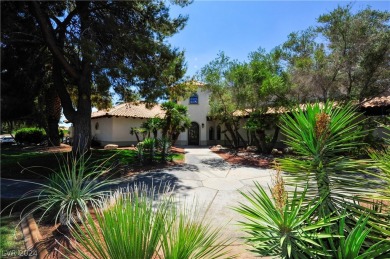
(110, 146)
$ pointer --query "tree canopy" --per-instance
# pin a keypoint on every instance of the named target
(246, 88)
(346, 57)
(102, 46)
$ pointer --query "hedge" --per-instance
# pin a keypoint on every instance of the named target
(30, 135)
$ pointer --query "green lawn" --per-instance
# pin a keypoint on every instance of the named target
(11, 235)
(17, 164)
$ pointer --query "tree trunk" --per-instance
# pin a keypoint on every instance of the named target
(274, 139)
(262, 143)
(82, 132)
(53, 115)
(175, 137)
(242, 139)
(82, 118)
(230, 129)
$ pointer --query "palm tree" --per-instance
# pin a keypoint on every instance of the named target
(152, 125)
(175, 121)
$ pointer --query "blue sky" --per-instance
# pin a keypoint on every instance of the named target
(239, 27)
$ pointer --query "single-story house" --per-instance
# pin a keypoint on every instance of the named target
(113, 126)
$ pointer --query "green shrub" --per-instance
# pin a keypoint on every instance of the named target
(150, 149)
(30, 135)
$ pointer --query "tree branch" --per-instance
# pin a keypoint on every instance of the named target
(48, 34)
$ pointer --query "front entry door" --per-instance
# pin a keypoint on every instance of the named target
(193, 134)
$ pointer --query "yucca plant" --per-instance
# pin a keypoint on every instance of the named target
(382, 162)
(133, 223)
(351, 244)
(78, 184)
(290, 231)
(323, 135)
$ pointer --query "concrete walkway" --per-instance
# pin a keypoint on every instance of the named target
(217, 184)
(214, 185)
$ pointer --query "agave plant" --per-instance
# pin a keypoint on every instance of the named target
(287, 232)
(70, 191)
(131, 223)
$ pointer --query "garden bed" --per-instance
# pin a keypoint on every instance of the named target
(45, 159)
(244, 157)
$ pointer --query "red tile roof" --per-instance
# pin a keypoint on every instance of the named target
(132, 110)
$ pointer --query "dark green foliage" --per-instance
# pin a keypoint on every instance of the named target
(30, 135)
(350, 244)
(345, 57)
(149, 146)
(123, 46)
(240, 89)
(175, 121)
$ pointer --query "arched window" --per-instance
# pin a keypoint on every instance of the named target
(218, 132)
(211, 133)
(194, 99)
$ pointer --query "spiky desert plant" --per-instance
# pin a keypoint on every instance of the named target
(143, 223)
(382, 162)
(78, 184)
(128, 225)
(351, 243)
(278, 191)
(323, 135)
(288, 232)
(192, 236)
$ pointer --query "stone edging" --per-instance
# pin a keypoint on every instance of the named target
(31, 237)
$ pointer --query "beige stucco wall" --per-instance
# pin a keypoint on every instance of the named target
(116, 130)
(197, 113)
(105, 129)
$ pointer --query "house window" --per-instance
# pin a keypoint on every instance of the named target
(218, 132)
(211, 133)
(194, 99)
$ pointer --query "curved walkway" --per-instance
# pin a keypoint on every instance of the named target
(214, 185)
